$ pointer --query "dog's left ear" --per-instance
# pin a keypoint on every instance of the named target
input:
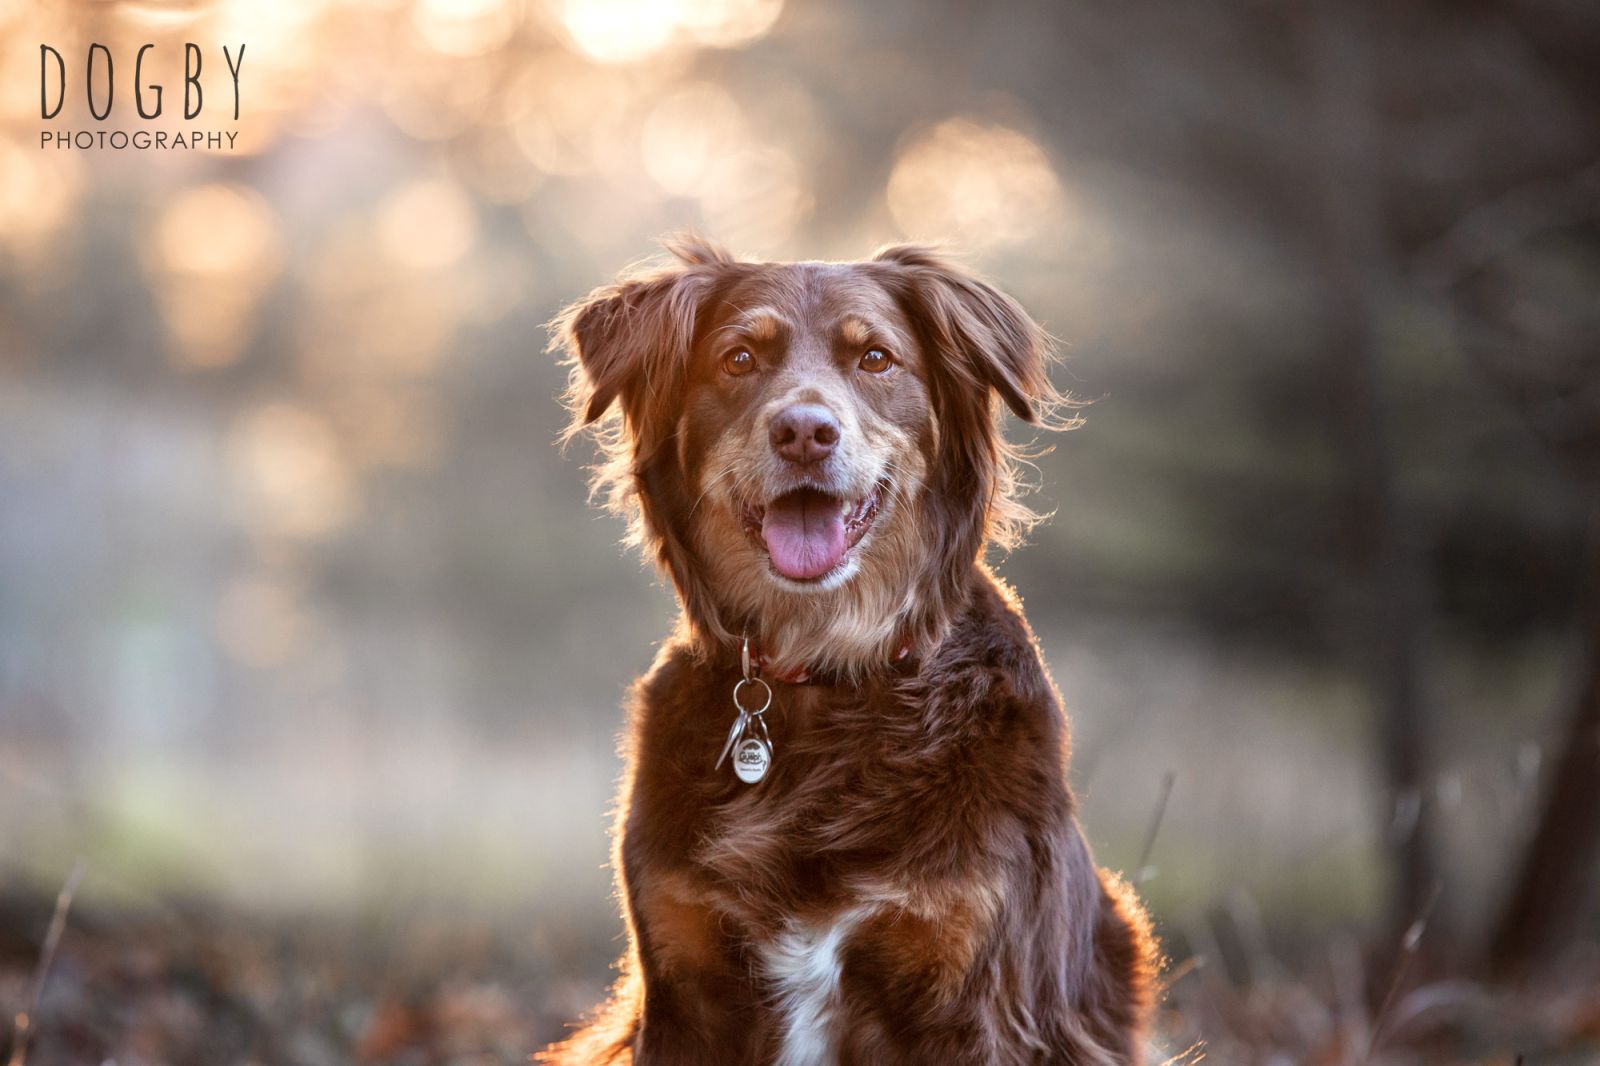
(987, 339)
(631, 339)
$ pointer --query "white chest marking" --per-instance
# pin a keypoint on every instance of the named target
(804, 963)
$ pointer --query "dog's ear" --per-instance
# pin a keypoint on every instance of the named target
(632, 339)
(985, 338)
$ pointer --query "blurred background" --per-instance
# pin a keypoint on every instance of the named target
(311, 649)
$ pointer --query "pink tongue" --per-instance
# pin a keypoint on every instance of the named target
(804, 531)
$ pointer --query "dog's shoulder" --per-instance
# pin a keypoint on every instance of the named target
(990, 660)
(676, 696)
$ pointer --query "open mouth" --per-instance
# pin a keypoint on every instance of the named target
(808, 533)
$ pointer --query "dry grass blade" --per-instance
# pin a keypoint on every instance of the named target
(1180, 971)
(47, 954)
(1408, 951)
(1142, 870)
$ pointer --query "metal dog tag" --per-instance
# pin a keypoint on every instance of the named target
(748, 739)
(751, 760)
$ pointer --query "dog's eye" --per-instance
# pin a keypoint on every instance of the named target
(737, 362)
(876, 361)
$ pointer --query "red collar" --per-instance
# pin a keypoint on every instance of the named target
(802, 676)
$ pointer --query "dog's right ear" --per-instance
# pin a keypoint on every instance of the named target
(630, 341)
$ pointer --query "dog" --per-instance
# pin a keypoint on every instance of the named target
(813, 453)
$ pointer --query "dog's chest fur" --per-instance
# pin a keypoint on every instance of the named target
(804, 965)
(851, 778)
(909, 861)
(885, 801)
(806, 869)
(800, 929)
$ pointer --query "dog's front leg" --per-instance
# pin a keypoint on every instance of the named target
(963, 973)
(698, 1005)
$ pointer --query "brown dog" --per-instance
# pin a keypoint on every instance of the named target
(813, 453)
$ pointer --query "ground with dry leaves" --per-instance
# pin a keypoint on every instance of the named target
(195, 986)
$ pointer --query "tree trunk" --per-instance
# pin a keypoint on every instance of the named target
(1554, 886)
(1358, 271)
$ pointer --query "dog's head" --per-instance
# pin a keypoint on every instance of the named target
(813, 448)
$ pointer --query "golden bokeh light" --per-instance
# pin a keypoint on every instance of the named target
(217, 230)
(728, 23)
(620, 31)
(627, 31)
(427, 224)
(215, 253)
(755, 198)
(983, 183)
(40, 193)
(160, 14)
(436, 97)
(268, 24)
(372, 315)
(570, 116)
(687, 134)
(292, 62)
(465, 27)
(594, 214)
(290, 474)
(13, 12)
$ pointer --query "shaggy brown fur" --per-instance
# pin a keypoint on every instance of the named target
(909, 883)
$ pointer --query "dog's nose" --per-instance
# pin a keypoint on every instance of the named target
(804, 433)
